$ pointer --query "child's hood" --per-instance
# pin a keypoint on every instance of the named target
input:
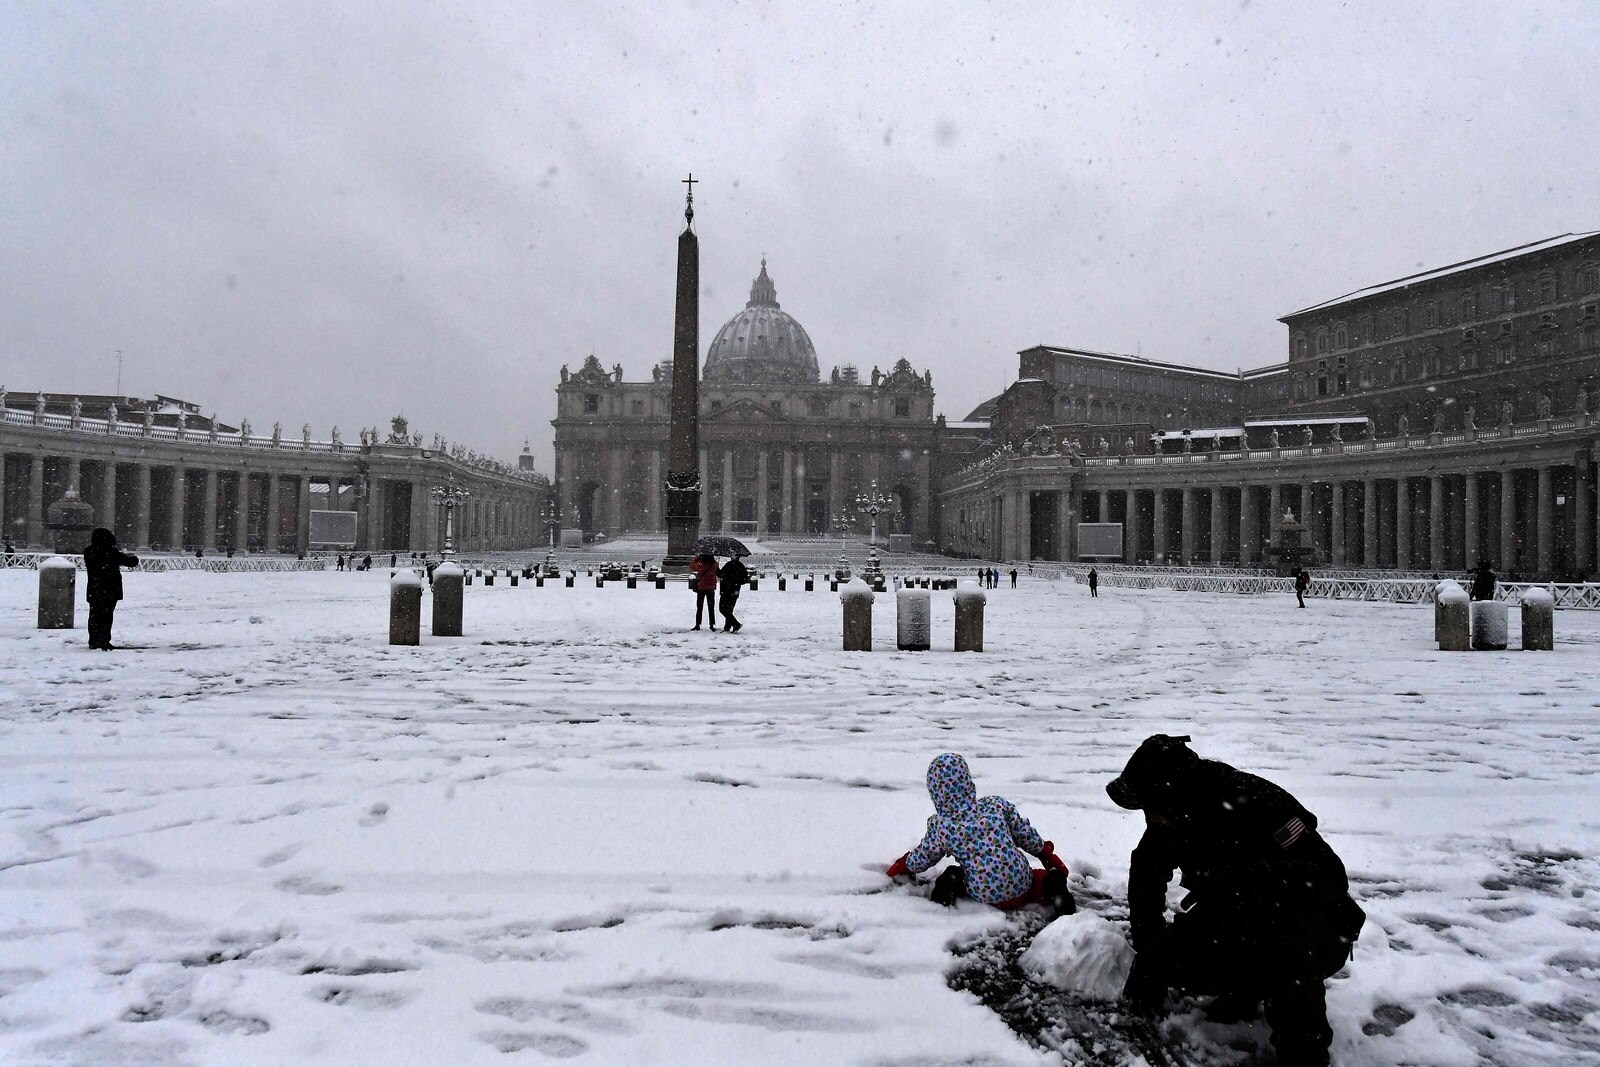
(950, 785)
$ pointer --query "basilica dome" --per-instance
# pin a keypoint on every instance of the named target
(762, 343)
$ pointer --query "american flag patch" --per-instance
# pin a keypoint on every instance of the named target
(1289, 832)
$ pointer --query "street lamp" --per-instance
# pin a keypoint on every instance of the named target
(843, 523)
(871, 502)
(552, 521)
(449, 496)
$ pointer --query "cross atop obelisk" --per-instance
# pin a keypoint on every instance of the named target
(683, 436)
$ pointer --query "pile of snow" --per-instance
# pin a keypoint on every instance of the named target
(1081, 954)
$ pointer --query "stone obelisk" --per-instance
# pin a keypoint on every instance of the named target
(683, 443)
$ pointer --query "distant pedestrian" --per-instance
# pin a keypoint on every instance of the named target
(733, 575)
(393, 558)
(338, 562)
(703, 581)
(1302, 582)
(366, 562)
(199, 553)
(1094, 582)
(10, 550)
(1483, 581)
(102, 561)
(1013, 577)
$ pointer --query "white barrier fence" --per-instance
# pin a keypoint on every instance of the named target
(1576, 595)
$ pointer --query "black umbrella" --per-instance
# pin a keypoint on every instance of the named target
(719, 545)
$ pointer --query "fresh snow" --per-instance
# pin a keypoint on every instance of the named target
(264, 836)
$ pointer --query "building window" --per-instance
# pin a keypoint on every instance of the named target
(1363, 329)
(1341, 337)
(716, 405)
(776, 405)
(1589, 337)
(1588, 278)
(902, 407)
(1589, 311)
(1430, 314)
(1504, 299)
(591, 404)
(1301, 348)
(1547, 288)
(855, 409)
(638, 407)
(1469, 357)
(1343, 381)
(1469, 306)
(1468, 336)
(1505, 351)
(1322, 341)
(1544, 345)
(1401, 321)
(817, 407)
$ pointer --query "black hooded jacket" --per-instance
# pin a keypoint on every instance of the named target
(102, 560)
(733, 575)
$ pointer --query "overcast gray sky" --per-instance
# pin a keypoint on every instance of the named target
(334, 212)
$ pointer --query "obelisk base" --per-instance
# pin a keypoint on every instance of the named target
(683, 521)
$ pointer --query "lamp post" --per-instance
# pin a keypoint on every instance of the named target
(449, 496)
(871, 502)
(552, 522)
(842, 523)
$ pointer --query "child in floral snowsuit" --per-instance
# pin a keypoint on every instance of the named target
(988, 838)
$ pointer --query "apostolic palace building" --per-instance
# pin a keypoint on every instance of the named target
(1418, 424)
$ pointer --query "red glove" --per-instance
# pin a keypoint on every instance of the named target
(1047, 856)
(898, 867)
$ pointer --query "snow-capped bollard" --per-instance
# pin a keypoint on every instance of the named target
(405, 608)
(513, 576)
(448, 581)
(570, 579)
(1538, 621)
(913, 620)
(811, 584)
(488, 579)
(1454, 625)
(969, 616)
(58, 585)
(1448, 583)
(661, 583)
(1488, 626)
(857, 600)
(783, 584)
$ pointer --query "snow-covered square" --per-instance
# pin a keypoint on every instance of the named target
(263, 836)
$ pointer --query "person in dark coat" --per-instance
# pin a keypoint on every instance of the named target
(1094, 582)
(1013, 577)
(733, 575)
(703, 580)
(1302, 582)
(1268, 915)
(1483, 581)
(103, 588)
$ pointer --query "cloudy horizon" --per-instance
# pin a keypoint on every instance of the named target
(332, 215)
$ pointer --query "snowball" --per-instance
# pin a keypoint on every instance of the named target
(1081, 954)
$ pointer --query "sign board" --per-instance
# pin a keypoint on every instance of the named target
(571, 537)
(334, 528)
(1099, 540)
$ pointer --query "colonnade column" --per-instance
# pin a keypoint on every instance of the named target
(1469, 488)
(1436, 522)
(1508, 512)
(727, 487)
(1066, 521)
(1369, 523)
(1159, 525)
(1218, 526)
(1247, 524)
(241, 514)
(1130, 527)
(36, 500)
(1186, 525)
(208, 536)
(1336, 548)
(302, 512)
(180, 504)
(1274, 509)
(1583, 520)
(1104, 511)
(835, 485)
(1546, 513)
(1404, 523)
(419, 514)
(652, 499)
(1387, 503)
(272, 513)
(761, 491)
(141, 506)
(73, 470)
(108, 495)
(787, 528)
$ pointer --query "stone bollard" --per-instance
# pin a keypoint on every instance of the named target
(448, 581)
(857, 601)
(1448, 583)
(1455, 626)
(1488, 626)
(753, 585)
(570, 579)
(488, 579)
(405, 608)
(913, 620)
(810, 585)
(783, 584)
(661, 583)
(969, 616)
(513, 577)
(58, 586)
(466, 578)
(633, 582)
(1538, 621)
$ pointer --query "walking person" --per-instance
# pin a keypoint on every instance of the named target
(733, 575)
(1013, 577)
(1483, 581)
(102, 561)
(703, 580)
(1302, 582)
(1094, 582)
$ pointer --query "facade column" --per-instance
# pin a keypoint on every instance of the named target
(302, 513)
(1336, 549)
(1067, 522)
(180, 505)
(1219, 524)
(1369, 523)
(1402, 523)
(1018, 525)
(1583, 520)
(1186, 530)
(614, 509)
(1130, 527)
(74, 469)
(728, 495)
(1546, 513)
(762, 473)
(208, 536)
(241, 516)
(1307, 538)
(141, 506)
(1470, 549)
(1508, 525)
(653, 497)
(1104, 511)
(1274, 512)
(272, 513)
(1387, 499)
(377, 535)
(802, 496)
(835, 485)
(1158, 526)
(108, 495)
(787, 527)
(36, 499)
(1247, 524)
(420, 503)
(1436, 522)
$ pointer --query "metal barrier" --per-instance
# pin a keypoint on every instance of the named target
(1581, 596)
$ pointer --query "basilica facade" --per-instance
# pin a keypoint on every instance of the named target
(784, 452)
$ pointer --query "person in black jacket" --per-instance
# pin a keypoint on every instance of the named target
(733, 575)
(1268, 915)
(103, 560)
(1483, 581)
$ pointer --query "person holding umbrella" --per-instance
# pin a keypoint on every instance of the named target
(703, 580)
(733, 575)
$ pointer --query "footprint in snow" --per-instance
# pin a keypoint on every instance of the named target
(375, 815)
(306, 886)
(280, 855)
